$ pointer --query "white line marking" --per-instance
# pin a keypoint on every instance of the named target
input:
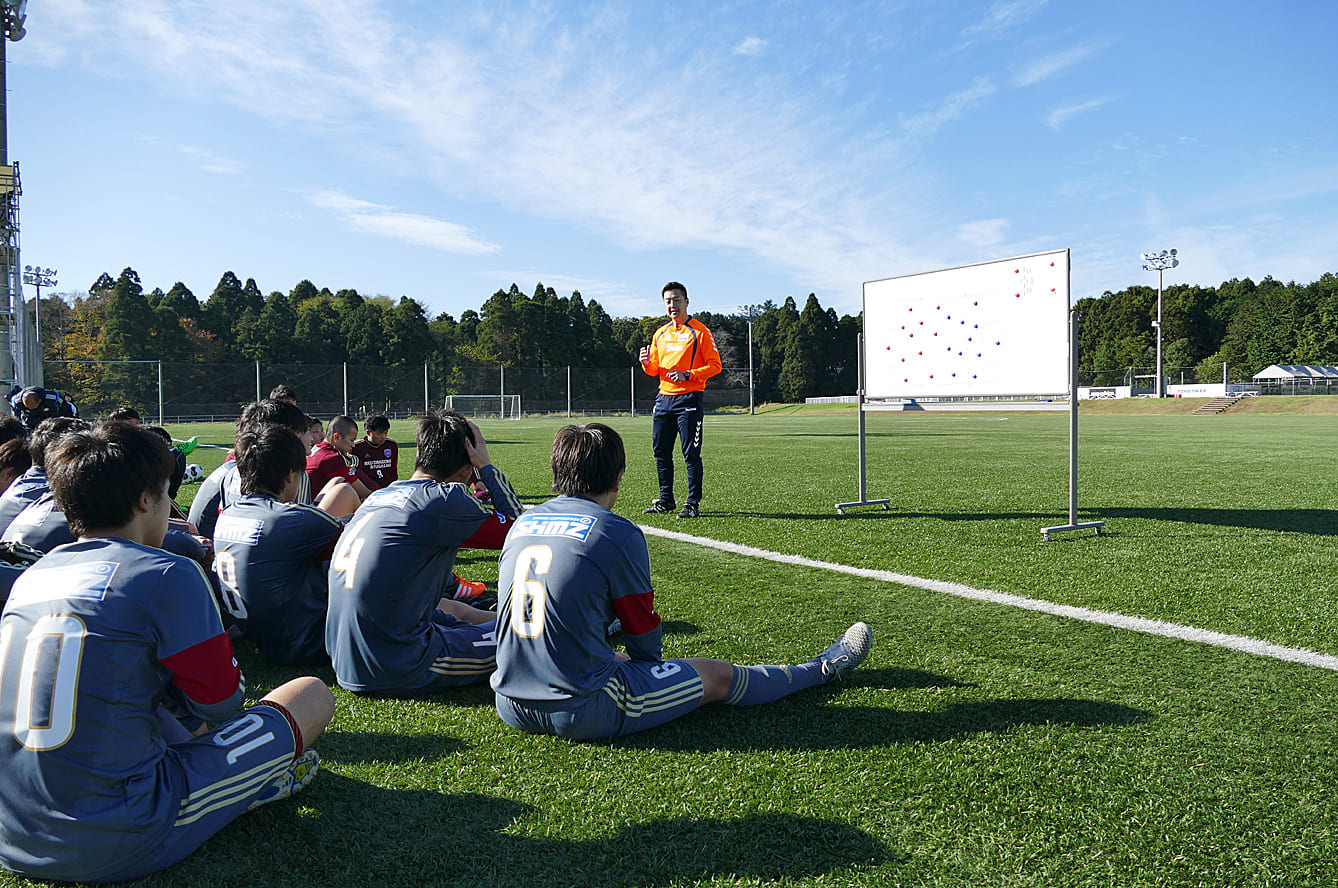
(1241, 643)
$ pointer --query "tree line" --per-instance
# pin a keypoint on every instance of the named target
(797, 353)
(1241, 324)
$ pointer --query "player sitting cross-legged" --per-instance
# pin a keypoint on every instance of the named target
(272, 554)
(568, 569)
(393, 627)
(98, 641)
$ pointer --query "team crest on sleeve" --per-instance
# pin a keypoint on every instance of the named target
(572, 527)
(89, 580)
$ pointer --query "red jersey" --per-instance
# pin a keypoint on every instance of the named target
(325, 463)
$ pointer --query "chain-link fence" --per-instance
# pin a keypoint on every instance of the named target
(182, 392)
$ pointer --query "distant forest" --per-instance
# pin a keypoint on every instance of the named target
(798, 352)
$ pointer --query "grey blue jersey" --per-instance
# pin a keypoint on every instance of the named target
(95, 640)
(395, 561)
(569, 568)
(41, 525)
(271, 560)
(22, 491)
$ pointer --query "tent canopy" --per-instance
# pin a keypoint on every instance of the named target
(1297, 371)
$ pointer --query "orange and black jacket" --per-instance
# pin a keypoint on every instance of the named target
(689, 348)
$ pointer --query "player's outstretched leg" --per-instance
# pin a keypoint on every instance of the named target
(848, 652)
(752, 685)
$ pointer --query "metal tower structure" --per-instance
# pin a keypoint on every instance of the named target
(20, 363)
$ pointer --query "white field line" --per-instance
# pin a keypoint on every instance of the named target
(1240, 643)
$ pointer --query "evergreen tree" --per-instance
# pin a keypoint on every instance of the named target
(407, 336)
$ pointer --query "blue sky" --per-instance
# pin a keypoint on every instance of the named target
(752, 150)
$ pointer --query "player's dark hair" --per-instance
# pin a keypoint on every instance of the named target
(98, 474)
(587, 459)
(283, 392)
(11, 428)
(341, 425)
(266, 455)
(273, 412)
(674, 285)
(377, 422)
(123, 414)
(14, 456)
(48, 431)
(441, 440)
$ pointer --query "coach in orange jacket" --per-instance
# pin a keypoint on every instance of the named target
(683, 355)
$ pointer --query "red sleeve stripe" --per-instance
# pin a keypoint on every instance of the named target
(490, 535)
(637, 612)
(207, 672)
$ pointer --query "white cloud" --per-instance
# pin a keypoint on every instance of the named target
(645, 146)
(1057, 117)
(213, 163)
(1004, 15)
(929, 122)
(983, 233)
(1047, 66)
(750, 47)
(408, 227)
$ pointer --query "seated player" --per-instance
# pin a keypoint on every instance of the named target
(101, 639)
(223, 484)
(29, 487)
(35, 404)
(11, 428)
(284, 392)
(377, 455)
(392, 627)
(271, 554)
(14, 461)
(569, 568)
(333, 460)
(124, 414)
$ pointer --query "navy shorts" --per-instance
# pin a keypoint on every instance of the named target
(216, 776)
(639, 695)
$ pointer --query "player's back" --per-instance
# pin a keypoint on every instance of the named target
(562, 566)
(41, 525)
(25, 490)
(268, 556)
(393, 564)
(204, 508)
(86, 633)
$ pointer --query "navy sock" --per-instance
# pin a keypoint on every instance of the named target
(762, 684)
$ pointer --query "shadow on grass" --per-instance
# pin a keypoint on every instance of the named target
(802, 722)
(1320, 522)
(365, 747)
(345, 832)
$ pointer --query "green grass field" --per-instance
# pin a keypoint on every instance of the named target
(980, 745)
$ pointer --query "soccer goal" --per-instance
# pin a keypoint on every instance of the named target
(485, 406)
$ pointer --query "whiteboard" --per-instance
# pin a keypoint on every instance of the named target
(990, 329)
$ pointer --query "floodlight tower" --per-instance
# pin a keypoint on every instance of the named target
(13, 13)
(1159, 262)
(751, 311)
(39, 277)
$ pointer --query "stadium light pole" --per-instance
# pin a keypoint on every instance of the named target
(39, 277)
(750, 311)
(1159, 262)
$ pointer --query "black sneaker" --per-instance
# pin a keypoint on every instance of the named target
(659, 507)
(689, 511)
